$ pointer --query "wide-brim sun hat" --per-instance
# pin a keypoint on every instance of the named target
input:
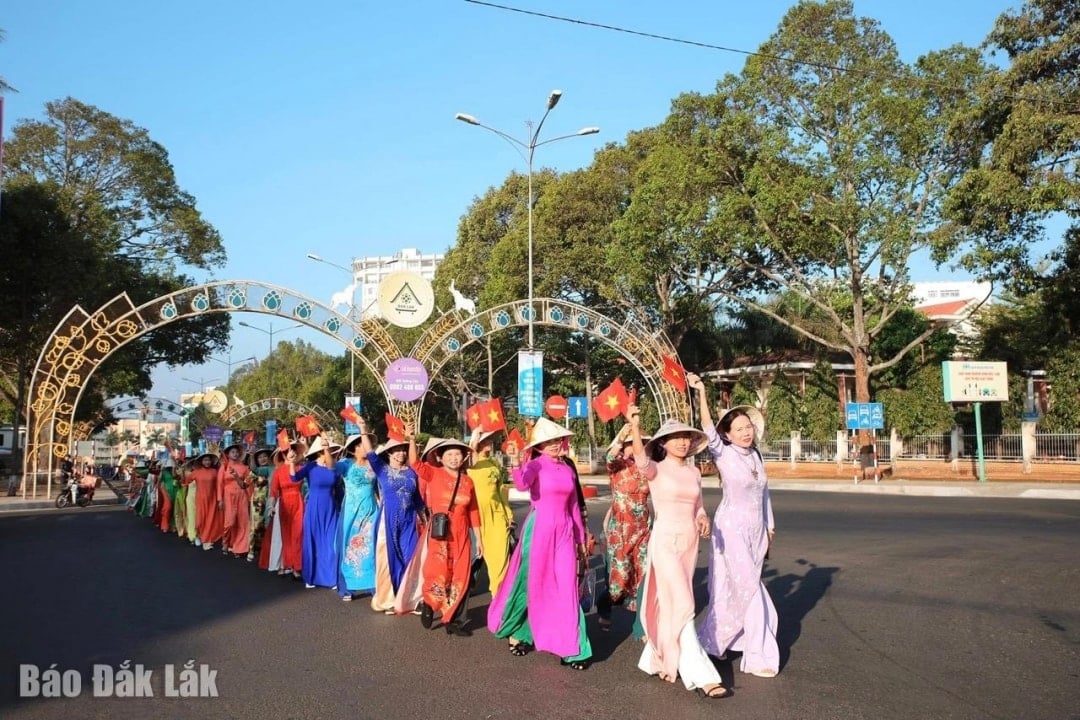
(212, 456)
(225, 450)
(544, 431)
(755, 415)
(677, 427)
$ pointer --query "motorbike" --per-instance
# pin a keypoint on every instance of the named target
(74, 494)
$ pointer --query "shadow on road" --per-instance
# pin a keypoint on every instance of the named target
(795, 596)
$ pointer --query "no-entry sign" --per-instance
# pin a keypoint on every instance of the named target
(556, 407)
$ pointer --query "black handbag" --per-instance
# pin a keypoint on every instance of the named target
(440, 522)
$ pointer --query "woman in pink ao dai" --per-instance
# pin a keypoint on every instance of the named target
(667, 607)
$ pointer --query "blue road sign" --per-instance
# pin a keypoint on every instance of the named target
(578, 407)
(851, 412)
(865, 416)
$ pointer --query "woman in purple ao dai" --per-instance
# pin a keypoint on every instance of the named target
(741, 616)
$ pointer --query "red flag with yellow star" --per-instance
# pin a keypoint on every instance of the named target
(472, 415)
(491, 417)
(306, 426)
(612, 401)
(674, 373)
(283, 439)
(349, 415)
(395, 428)
(513, 438)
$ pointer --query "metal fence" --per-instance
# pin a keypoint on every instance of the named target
(1005, 447)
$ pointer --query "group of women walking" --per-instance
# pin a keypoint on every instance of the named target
(411, 529)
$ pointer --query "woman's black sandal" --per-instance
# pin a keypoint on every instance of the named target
(520, 649)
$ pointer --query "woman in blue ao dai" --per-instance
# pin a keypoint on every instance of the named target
(319, 548)
(397, 533)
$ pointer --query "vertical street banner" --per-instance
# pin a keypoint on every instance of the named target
(271, 433)
(530, 383)
(352, 401)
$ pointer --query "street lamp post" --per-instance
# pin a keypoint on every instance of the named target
(352, 315)
(201, 382)
(229, 364)
(533, 142)
(270, 332)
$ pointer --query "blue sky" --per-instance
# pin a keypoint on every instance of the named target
(329, 128)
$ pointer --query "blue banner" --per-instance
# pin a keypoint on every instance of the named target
(530, 383)
(352, 428)
(271, 433)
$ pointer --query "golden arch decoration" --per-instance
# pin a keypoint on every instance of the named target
(82, 341)
(642, 346)
(235, 413)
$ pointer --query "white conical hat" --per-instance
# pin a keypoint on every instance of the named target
(545, 430)
(430, 445)
(676, 427)
(316, 448)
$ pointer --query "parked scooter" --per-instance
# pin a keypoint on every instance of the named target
(75, 494)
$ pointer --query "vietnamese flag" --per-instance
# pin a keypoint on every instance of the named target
(249, 440)
(473, 415)
(306, 426)
(395, 428)
(674, 373)
(514, 439)
(612, 401)
(491, 416)
(283, 439)
(349, 414)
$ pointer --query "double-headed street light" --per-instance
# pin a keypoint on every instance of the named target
(529, 146)
(229, 364)
(352, 314)
(270, 332)
(203, 383)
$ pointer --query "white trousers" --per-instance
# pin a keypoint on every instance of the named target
(695, 667)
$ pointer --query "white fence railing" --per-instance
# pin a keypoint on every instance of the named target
(1005, 447)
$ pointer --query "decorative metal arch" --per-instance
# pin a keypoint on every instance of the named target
(643, 347)
(82, 341)
(82, 429)
(235, 414)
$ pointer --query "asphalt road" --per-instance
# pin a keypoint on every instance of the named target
(890, 607)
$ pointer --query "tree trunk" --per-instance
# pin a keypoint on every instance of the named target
(861, 356)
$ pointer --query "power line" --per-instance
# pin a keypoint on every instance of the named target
(1062, 104)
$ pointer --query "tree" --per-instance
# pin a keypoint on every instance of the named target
(98, 198)
(115, 184)
(1028, 132)
(823, 168)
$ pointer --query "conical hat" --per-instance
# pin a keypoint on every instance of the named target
(445, 445)
(317, 448)
(390, 445)
(753, 413)
(545, 430)
(431, 444)
(484, 436)
(676, 427)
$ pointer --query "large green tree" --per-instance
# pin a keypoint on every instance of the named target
(92, 209)
(820, 173)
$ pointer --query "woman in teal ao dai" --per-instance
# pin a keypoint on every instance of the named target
(359, 513)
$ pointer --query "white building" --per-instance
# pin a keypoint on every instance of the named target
(368, 272)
